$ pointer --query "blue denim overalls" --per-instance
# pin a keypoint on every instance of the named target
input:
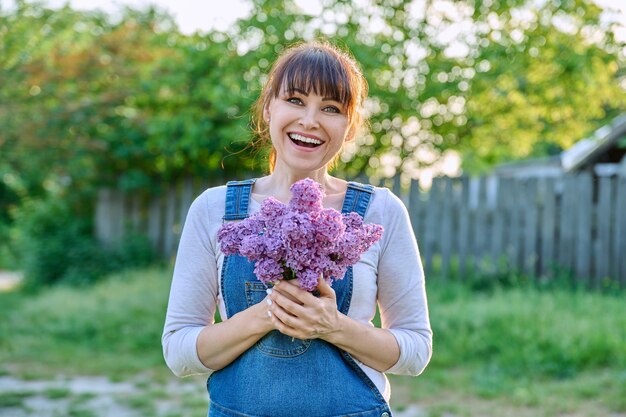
(281, 376)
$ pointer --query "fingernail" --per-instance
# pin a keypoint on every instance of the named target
(268, 291)
(269, 314)
(268, 301)
(276, 283)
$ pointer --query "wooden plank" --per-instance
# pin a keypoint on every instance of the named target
(583, 245)
(602, 247)
(456, 208)
(186, 198)
(168, 226)
(464, 228)
(499, 221)
(567, 223)
(110, 217)
(433, 226)
(415, 207)
(514, 248)
(397, 187)
(547, 193)
(135, 213)
(531, 225)
(102, 216)
(446, 227)
(620, 229)
(154, 223)
(481, 228)
(505, 195)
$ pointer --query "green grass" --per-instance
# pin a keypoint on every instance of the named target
(522, 348)
(13, 398)
(519, 350)
(113, 328)
(525, 331)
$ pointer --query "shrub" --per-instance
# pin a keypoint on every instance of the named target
(56, 245)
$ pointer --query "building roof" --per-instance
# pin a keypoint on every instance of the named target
(585, 152)
(588, 149)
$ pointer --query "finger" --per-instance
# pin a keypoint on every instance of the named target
(283, 321)
(324, 289)
(293, 291)
(293, 308)
(288, 331)
(280, 326)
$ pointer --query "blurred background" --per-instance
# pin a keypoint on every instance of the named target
(500, 123)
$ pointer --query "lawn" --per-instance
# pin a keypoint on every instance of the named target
(515, 351)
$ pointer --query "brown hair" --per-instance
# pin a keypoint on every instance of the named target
(313, 66)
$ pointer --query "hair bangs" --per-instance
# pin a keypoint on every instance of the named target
(318, 71)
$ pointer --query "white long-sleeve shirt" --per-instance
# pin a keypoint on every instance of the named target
(390, 273)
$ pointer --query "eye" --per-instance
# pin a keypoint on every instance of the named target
(332, 109)
(294, 100)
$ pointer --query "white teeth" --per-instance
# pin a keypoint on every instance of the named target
(301, 138)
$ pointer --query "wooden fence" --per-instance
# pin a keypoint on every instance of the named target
(573, 225)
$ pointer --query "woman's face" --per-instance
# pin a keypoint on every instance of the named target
(307, 130)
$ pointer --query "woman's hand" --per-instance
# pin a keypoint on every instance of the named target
(298, 313)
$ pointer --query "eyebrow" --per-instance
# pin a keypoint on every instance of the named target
(304, 93)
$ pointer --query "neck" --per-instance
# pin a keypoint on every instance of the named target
(278, 182)
(282, 178)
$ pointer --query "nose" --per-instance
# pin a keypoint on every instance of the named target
(309, 118)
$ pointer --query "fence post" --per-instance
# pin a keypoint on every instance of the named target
(567, 222)
(446, 227)
(415, 209)
(481, 228)
(604, 219)
(135, 213)
(432, 230)
(154, 223)
(498, 221)
(530, 216)
(583, 229)
(168, 228)
(514, 248)
(620, 228)
(464, 227)
(109, 216)
(547, 196)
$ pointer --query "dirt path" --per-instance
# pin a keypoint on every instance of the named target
(100, 397)
(97, 397)
(9, 280)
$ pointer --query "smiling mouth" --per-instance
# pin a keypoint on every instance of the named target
(304, 141)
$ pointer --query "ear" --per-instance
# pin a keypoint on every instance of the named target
(351, 134)
(266, 112)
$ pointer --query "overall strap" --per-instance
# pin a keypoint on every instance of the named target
(357, 198)
(237, 199)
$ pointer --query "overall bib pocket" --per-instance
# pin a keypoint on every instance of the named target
(274, 343)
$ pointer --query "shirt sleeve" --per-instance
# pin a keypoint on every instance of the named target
(193, 293)
(401, 291)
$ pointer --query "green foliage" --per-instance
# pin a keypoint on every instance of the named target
(111, 327)
(133, 102)
(523, 331)
(512, 332)
(58, 246)
(555, 351)
(87, 101)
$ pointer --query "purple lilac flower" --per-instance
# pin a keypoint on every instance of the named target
(300, 239)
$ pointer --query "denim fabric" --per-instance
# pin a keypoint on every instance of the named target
(238, 199)
(280, 376)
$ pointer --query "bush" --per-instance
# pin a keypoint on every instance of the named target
(56, 245)
(7, 254)
(527, 331)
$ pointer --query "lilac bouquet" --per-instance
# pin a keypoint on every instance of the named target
(301, 239)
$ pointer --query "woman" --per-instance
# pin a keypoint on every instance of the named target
(287, 352)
